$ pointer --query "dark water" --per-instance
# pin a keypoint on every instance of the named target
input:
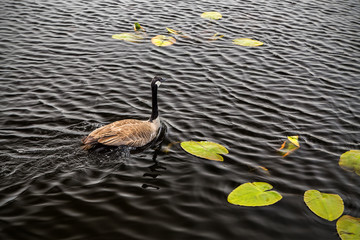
(62, 75)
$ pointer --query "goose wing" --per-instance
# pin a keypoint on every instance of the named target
(104, 129)
(129, 132)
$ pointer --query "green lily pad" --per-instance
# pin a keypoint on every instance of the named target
(247, 42)
(162, 41)
(211, 15)
(325, 205)
(129, 37)
(348, 227)
(254, 194)
(350, 161)
(205, 149)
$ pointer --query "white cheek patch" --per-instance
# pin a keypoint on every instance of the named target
(158, 83)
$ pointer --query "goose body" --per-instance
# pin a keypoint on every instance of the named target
(128, 132)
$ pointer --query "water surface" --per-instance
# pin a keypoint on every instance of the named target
(62, 75)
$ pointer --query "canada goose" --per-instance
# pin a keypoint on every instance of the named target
(128, 132)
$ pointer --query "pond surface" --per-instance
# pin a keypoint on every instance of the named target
(62, 75)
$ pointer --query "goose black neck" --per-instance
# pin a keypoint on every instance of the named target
(155, 111)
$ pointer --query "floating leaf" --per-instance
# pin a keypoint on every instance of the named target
(350, 161)
(262, 170)
(294, 140)
(211, 15)
(168, 147)
(247, 42)
(348, 227)
(216, 36)
(162, 41)
(205, 149)
(173, 31)
(325, 205)
(137, 27)
(289, 146)
(129, 37)
(254, 194)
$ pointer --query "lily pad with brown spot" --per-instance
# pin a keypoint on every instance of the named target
(348, 227)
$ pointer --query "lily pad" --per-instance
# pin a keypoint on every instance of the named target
(205, 149)
(264, 169)
(247, 42)
(350, 161)
(129, 37)
(325, 205)
(173, 31)
(294, 140)
(216, 36)
(179, 33)
(162, 41)
(289, 146)
(348, 227)
(137, 27)
(254, 194)
(211, 15)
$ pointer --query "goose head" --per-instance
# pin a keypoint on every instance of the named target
(156, 81)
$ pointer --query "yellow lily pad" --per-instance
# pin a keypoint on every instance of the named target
(254, 194)
(211, 15)
(205, 149)
(179, 33)
(129, 37)
(348, 227)
(294, 140)
(173, 31)
(247, 42)
(162, 41)
(325, 205)
(350, 161)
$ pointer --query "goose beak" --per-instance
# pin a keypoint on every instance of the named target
(160, 80)
(158, 83)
